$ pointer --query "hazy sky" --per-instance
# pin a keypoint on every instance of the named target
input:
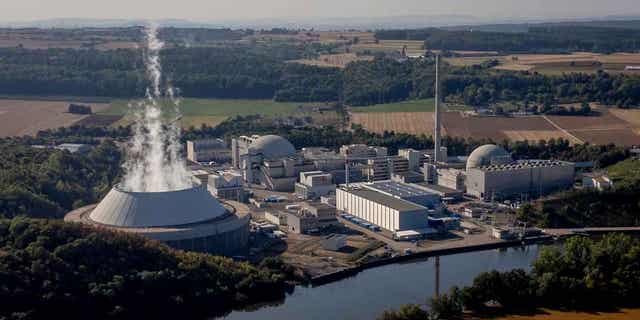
(211, 10)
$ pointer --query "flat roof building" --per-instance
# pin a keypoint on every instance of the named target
(525, 177)
(314, 184)
(207, 150)
(385, 211)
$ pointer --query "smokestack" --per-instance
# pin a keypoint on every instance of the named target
(436, 136)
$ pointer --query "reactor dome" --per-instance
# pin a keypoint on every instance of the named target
(273, 147)
(121, 208)
(488, 154)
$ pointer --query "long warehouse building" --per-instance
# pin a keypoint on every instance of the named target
(385, 211)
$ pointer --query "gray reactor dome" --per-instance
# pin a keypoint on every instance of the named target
(127, 209)
(273, 147)
(488, 154)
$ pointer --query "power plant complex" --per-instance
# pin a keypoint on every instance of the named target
(402, 196)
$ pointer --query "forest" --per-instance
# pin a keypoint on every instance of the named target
(537, 39)
(583, 275)
(261, 71)
(48, 267)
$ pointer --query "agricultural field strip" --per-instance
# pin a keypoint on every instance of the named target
(563, 130)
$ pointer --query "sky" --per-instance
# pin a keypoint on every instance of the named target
(212, 10)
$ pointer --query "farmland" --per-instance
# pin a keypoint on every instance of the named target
(423, 105)
(602, 129)
(27, 117)
(213, 111)
(339, 60)
(554, 64)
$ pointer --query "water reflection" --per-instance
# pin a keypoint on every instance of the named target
(367, 294)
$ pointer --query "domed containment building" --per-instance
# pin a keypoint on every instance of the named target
(488, 154)
(189, 219)
(268, 160)
(493, 175)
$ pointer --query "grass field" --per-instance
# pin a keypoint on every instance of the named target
(624, 172)
(421, 105)
(213, 111)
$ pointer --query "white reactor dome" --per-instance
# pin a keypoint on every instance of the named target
(273, 147)
(121, 208)
(486, 155)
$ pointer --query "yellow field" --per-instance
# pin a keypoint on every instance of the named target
(334, 60)
(27, 117)
(624, 314)
(631, 116)
(413, 47)
(557, 63)
(407, 122)
(614, 125)
(537, 135)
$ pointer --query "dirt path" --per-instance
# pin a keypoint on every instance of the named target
(580, 141)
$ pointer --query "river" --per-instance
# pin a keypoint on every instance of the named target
(368, 294)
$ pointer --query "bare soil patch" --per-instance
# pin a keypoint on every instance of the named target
(27, 117)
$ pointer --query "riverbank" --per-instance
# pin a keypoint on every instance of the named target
(623, 314)
(349, 272)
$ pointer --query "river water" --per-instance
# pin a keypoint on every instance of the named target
(368, 294)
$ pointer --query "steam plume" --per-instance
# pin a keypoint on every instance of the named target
(153, 160)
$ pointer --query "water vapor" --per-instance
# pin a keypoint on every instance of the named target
(154, 162)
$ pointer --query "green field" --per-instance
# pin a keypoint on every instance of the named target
(625, 173)
(422, 105)
(213, 111)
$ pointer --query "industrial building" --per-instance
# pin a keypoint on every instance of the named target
(208, 150)
(362, 151)
(227, 185)
(388, 212)
(268, 160)
(314, 184)
(519, 178)
(189, 219)
(311, 217)
(408, 192)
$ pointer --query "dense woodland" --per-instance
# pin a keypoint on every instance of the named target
(262, 71)
(47, 183)
(50, 268)
(584, 275)
(539, 39)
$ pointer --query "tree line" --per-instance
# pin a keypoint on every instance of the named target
(537, 39)
(261, 71)
(49, 268)
(583, 275)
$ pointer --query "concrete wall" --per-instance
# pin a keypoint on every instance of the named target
(533, 181)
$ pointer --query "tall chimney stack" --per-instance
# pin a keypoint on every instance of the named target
(436, 136)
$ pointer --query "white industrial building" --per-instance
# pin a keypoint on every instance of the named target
(207, 150)
(314, 184)
(385, 211)
(227, 185)
(520, 178)
(362, 151)
(390, 205)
